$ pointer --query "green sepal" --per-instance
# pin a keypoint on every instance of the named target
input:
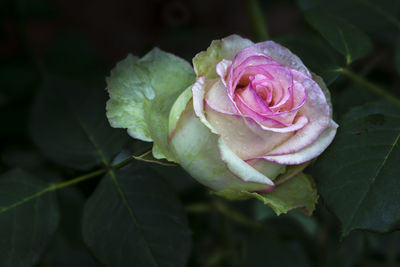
(297, 193)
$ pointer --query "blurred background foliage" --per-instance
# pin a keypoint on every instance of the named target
(55, 54)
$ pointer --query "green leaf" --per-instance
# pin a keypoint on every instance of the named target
(297, 193)
(67, 247)
(397, 56)
(134, 219)
(142, 92)
(368, 15)
(69, 126)
(358, 174)
(28, 218)
(343, 36)
(349, 97)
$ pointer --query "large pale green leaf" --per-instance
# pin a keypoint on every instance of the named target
(358, 176)
(343, 36)
(28, 218)
(297, 193)
(134, 219)
(69, 126)
(142, 92)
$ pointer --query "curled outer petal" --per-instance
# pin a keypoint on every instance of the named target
(203, 153)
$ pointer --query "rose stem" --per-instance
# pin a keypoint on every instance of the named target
(73, 181)
(368, 85)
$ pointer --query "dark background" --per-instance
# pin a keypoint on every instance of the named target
(83, 40)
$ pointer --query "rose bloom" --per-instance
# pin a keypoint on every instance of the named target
(255, 113)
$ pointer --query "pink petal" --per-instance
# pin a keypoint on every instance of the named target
(240, 138)
(278, 53)
(316, 109)
(249, 112)
(309, 152)
(252, 99)
(265, 125)
(217, 98)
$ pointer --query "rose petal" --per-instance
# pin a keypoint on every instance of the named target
(204, 62)
(249, 97)
(247, 111)
(270, 169)
(210, 161)
(241, 139)
(309, 152)
(198, 91)
(222, 70)
(316, 109)
(217, 98)
(270, 124)
(246, 98)
(276, 52)
(240, 168)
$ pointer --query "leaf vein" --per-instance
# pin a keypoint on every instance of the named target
(374, 179)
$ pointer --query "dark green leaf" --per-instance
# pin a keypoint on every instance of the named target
(134, 219)
(67, 248)
(350, 97)
(70, 127)
(28, 218)
(369, 15)
(358, 174)
(343, 36)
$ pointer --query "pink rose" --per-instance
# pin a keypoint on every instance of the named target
(256, 113)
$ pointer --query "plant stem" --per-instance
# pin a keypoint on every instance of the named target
(368, 85)
(92, 174)
(79, 179)
(257, 20)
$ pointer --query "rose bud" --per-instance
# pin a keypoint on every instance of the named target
(248, 126)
